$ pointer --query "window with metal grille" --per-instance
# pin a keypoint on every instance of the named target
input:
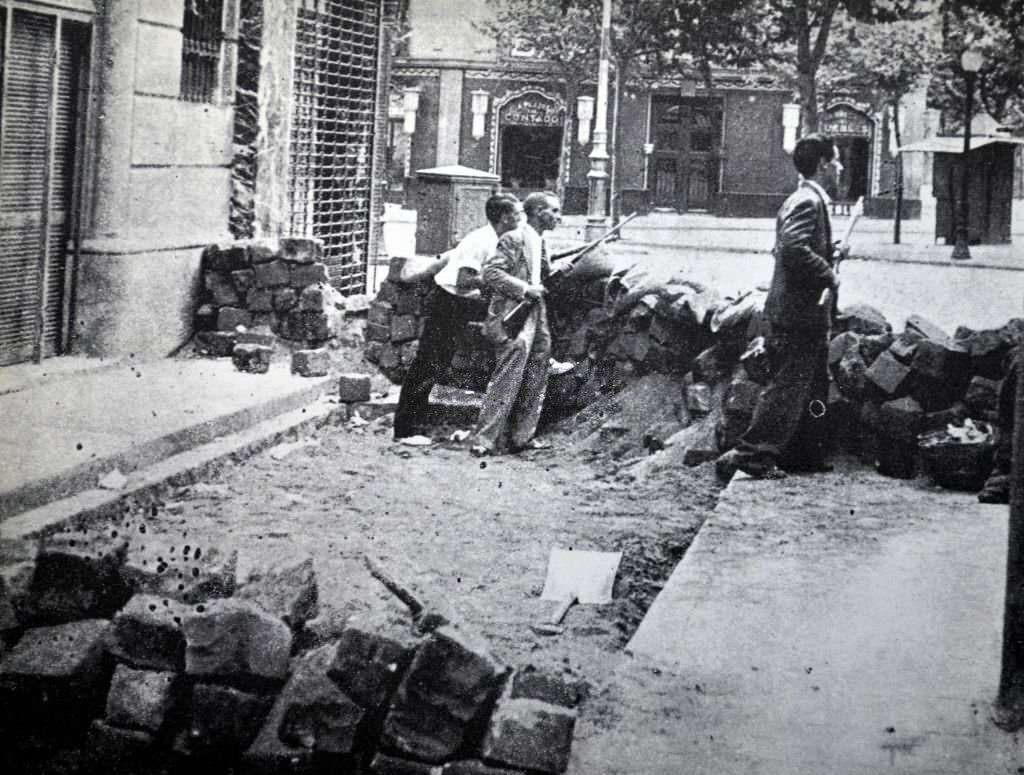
(202, 33)
(332, 135)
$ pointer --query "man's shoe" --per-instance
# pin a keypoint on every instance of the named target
(479, 450)
(532, 444)
(726, 465)
(996, 490)
(415, 441)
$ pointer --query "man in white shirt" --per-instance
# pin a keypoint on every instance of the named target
(516, 273)
(454, 303)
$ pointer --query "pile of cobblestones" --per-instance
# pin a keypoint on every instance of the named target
(138, 651)
(258, 292)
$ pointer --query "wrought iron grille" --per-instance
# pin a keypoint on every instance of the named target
(202, 32)
(332, 138)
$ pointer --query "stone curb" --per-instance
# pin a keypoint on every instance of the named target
(83, 477)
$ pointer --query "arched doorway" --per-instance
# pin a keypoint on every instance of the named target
(526, 148)
(854, 133)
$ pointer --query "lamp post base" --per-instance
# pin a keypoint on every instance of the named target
(960, 251)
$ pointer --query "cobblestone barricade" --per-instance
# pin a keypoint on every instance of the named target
(139, 652)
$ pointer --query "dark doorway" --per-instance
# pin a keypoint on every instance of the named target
(529, 157)
(854, 153)
(687, 136)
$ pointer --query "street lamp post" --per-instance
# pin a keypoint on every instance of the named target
(970, 62)
(597, 178)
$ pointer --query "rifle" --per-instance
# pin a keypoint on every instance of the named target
(855, 213)
(516, 317)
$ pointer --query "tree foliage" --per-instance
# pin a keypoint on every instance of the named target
(996, 29)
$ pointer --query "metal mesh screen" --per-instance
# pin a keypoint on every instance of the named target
(201, 47)
(332, 132)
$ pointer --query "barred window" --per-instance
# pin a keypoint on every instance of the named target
(202, 34)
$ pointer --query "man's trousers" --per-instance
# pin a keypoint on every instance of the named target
(788, 427)
(447, 318)
(515, 394)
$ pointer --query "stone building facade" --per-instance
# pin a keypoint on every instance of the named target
(458, 98)
(119, 155)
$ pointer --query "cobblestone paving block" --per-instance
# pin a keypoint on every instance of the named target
(372, 654)
(404, 328)
(205, 318)
(311, 363)
(252, 358)
(383, 764)
(939, 361)
(311, 716)
(408, 352)
(926, 329)
(395, 267)
(230, 318)
(531, 683)
(179, 570)
(982, 396)
(220, 289)
(476, 767)
(850, 373)
(225, 718)
(115, 749)
(840, 345)
(451, 678)
(353, 388)
(710, 365)
(889, 375)
(380, 314)
(303, 275)
(285, 299)
(50, 656)
(243, 280)
(263, 250)
(901, 419)
(218, 344)
(287, 588)
(874, 345)
(141, 699)
(257, 335)
(862, 319)
(698, 398)
(390, 357)
(147, 633)
(16, 571)
(302, 250)
(226, 256)
(273, 273)
(313, 298)
(314, 326)
(77, 576)
(408, 301)
(235, 638)
(530, 734)
(904, 346)
(259, 300)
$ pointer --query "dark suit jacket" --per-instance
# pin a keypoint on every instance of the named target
(507, 275)
(803, 263)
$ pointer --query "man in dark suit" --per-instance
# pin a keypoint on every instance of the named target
(516, 272)
(787, 428)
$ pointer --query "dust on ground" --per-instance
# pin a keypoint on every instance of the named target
(471, 535)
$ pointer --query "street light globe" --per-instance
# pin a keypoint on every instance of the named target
(972, 60)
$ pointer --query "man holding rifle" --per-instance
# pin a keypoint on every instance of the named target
(787, 429)
(516, 273)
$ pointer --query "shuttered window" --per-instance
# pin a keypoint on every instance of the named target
(202, 36)
(44, 64)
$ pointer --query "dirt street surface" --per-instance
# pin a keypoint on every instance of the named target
(466, 533)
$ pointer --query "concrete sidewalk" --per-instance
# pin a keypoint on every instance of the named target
(67, 424)
(842, 624)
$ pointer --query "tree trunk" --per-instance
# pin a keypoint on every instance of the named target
(808, 88)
